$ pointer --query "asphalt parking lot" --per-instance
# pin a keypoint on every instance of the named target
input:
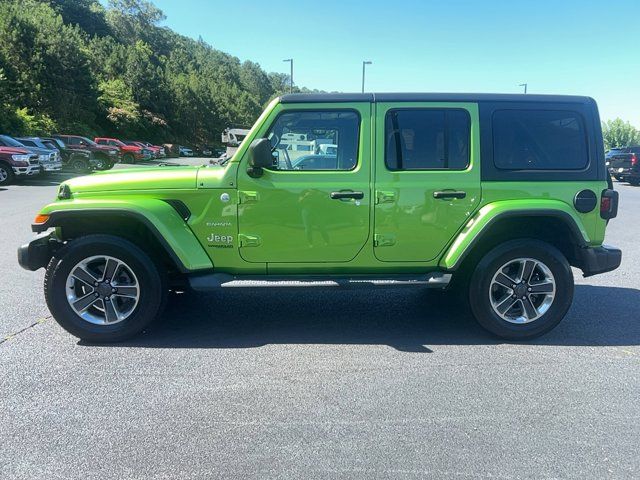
(389, 383)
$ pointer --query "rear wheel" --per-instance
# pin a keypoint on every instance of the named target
(521, 289)
(128, 158)
(6, 174)
(102, 288)
(79, 165)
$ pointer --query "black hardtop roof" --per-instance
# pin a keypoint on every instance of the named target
(429, 97)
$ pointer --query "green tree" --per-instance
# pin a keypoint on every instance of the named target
(618, 133)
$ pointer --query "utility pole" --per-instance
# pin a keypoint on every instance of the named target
(525, 86)
(290, 60)
(364, 64)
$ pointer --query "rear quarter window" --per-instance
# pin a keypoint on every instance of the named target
(539, 140)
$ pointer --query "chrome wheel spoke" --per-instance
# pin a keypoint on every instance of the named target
(127, 292)
(110, 269)
(110, 311)
(506, 304)
(529, 310)
(505, 281)
(85, 302)
(526, 270)
(546, 287)
(84, 276)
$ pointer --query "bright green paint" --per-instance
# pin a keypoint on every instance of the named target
(285, 222)
(292, 213)
(418, 225)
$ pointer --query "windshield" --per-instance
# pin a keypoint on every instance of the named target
(88, 142)
(10, 141)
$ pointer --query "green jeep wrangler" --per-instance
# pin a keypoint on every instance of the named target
(501, 193)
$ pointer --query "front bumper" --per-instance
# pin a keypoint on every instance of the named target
(27, 171)
(595, 260)
(37, 253)
(51, 166)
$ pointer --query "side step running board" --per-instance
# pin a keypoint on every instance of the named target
(214, 281)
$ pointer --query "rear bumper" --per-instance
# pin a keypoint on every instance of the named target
(597, 260)
(37, 253)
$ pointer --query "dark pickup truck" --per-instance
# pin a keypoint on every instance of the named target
(623, 164)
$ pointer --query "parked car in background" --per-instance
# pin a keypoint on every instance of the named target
(158, 149)
(155, 150)
(185, 152)
(129, 153)
(77, 160)
(107, 155)
(623, 164)
(50, 160)
(17, 162)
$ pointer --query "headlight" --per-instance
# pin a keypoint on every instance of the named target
(20, 158)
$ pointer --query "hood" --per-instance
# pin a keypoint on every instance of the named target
(153, 178)
(14, 151)
(39, 151)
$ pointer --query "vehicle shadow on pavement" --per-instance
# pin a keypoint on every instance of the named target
(405, 319)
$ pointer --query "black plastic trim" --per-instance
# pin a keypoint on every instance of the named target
(37, 253)
(429, 97)
(56, 217)
(597, 260)
(564, 216)
(180, 207)
(585, 201)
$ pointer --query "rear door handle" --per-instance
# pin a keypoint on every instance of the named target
(345, 195)
(449, 194)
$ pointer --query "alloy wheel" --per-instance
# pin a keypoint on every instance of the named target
(102, 290)
(522, 290)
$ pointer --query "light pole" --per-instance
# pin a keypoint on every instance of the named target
(525, 86)
(364, 64)
(290, 60)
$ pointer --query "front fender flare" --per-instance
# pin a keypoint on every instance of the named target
(159, 216)
(492, 212)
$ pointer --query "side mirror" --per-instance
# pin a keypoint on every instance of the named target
(260, 157)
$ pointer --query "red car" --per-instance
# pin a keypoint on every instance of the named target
(129, 153)
(157, 151)
(17, 162)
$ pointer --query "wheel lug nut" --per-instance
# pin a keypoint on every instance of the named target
(529, 289)
(97, 294)
(95, 284)
(113, 290)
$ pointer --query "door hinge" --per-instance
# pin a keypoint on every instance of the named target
(385, 197)
(247, 197)
(383, 240)
(249, 240)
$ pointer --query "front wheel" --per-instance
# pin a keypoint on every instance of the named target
(128, 158)
(6, 174)
(521, 289)
(102, 288)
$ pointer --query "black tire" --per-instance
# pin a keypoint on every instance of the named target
(6, 174)
(481, 281)
(128, 158)
(634, 181)
(151, 279)
(79, 165)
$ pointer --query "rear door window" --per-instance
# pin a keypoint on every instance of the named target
(427, 139)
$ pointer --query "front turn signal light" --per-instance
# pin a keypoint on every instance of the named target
(40, 219)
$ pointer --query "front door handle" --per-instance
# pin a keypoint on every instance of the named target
(449, 194)
(345, 195)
